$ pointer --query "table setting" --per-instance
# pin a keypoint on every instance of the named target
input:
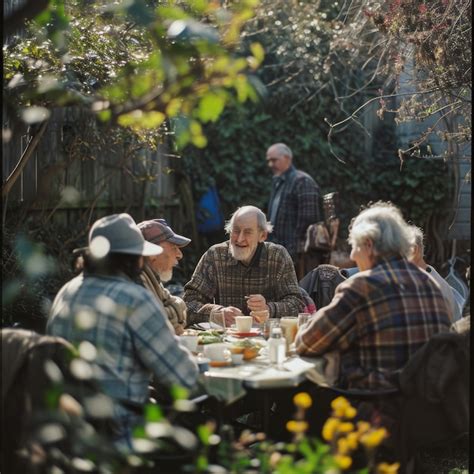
(233, 359)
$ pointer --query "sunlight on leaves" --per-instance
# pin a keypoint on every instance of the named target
(84, 465)
(99, 406)
(99, 247)
(51, 433)
(35, 114)
(87, 351)
(81, 369)
(85, 319)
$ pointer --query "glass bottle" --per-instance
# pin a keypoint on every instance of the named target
(276, 347)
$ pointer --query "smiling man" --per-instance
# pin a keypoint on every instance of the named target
(158, 269)
(244, 274)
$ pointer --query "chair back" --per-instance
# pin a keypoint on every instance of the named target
(321, 282)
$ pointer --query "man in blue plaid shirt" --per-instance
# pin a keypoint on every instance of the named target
(294, 202)
(132, 337)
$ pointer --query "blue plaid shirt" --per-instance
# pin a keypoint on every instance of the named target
(132, 336)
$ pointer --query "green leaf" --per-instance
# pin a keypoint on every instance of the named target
(153, 413)
(211, 107)
(179, 393)
(141, 119)
(258, 52)
(204, 433)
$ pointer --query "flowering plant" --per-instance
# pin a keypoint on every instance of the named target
(343, 437)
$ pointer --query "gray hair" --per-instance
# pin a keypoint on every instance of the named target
(417, 237)
(283, 149)
(384, 225)
(262, 222)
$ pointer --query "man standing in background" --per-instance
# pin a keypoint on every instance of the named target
(294, 205)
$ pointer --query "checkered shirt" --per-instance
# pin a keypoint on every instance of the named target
(220, 280)
(299, 207)
(132, 336)
(376, 321)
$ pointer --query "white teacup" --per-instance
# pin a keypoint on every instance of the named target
(243, 323)
(218, 352)
(190, 341)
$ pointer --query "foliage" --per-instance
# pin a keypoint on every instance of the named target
(136, 64)
(424, 51)
(311, 60)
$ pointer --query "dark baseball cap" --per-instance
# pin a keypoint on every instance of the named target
(157, 230)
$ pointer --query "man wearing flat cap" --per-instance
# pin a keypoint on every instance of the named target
(158, 269)
(133, 339)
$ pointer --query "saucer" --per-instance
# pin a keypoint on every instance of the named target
(253, 333)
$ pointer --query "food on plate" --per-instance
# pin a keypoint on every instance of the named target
(248, 347)
(210, 337)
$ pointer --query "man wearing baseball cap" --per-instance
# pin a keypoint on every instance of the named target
(158, 269)
(128, 328)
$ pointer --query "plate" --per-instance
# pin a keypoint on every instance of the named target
(253, 333)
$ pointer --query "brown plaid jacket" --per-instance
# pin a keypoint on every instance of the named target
(220, 280)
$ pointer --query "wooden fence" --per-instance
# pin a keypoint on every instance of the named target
(72, 168)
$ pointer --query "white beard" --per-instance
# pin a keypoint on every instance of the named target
(239, 253)
(166, 275)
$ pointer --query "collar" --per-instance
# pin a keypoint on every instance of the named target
(119, 276)
(287, 174)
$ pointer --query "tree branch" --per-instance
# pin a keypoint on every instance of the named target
(31, 147)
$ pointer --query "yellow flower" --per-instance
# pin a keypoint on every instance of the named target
(352, 440)
(363, 427)
(342, 446)
(294, 426)
(345, 427)
(302, 400)
(350, 412)
(373, 438)
(339, 406)
(330, 427)
(344, 462)
(385, 468)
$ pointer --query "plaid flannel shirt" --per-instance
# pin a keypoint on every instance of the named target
(132, 336)
(376, 321)
(299, 207)
(220, 280)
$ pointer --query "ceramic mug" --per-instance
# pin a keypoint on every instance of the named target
(243, 323)
(218, 352)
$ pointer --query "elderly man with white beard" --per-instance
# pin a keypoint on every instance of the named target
(158, 269)
(244, 275)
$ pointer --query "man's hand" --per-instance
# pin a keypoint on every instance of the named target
(257, 303)
(228, 313)
(260, 316)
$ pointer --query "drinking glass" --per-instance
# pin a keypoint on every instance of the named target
(268, 325)
(217, 317)
(289, 327)
(303, 318)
